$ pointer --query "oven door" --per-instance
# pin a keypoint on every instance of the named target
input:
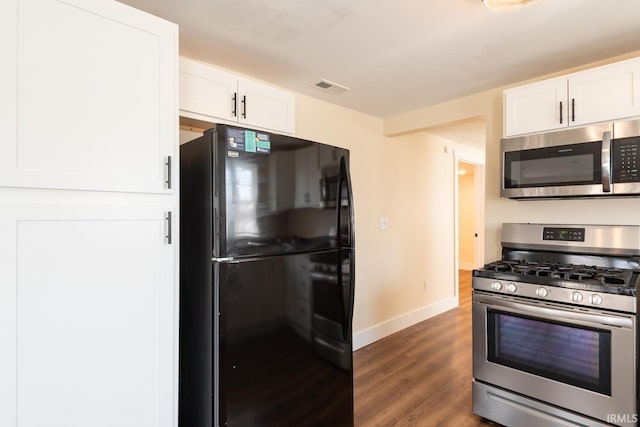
(581, 361)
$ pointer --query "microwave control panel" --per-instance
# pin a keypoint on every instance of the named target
(626, 166)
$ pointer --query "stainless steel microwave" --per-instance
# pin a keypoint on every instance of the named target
(597, 160)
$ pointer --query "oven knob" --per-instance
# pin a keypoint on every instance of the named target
(595, 299)
(511, 287)
(576, 297)
(496, 286)
(542, 292)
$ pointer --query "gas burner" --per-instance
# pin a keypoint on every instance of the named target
(606, 279)
(612, 279)
(580, 275)
(520, 269)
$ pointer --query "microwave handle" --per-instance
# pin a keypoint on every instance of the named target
(606, 162)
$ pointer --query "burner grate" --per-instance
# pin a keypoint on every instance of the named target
(575, 273)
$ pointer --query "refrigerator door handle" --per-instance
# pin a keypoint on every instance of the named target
(344, 308)
(344, 178)
(352, 288)
(339, 208)
(224, 259)
(347, 309)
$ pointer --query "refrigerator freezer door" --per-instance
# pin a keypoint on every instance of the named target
(278, 365)
(276, 194)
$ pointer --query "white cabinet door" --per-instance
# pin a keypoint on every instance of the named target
(206, 92)
(87, 317)
(605, 93)
(536, 107)
(265, 107)
(211, 95)
(88, 96)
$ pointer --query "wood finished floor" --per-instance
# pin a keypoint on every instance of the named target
(420, 376)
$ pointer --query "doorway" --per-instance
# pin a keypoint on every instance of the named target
(468, 142)
(467, 213)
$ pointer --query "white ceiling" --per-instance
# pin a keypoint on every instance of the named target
(398, 55)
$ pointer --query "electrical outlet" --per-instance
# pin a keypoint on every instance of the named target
(425, 284)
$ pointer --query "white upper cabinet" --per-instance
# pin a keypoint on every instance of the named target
(265, 107)
(535, 107)
(605, 93)
(600, 94)
(88, 96)
(207, 92)
(216, 96)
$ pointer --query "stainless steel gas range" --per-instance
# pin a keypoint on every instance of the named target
(554, 327)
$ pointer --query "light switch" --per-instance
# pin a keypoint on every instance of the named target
(384, 223)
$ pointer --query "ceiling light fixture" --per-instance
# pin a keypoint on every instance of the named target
(502, 5)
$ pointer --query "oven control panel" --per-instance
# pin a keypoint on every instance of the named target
(563, 234)
(570, 296)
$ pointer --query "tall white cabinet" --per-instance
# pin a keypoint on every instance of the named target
(88, 215)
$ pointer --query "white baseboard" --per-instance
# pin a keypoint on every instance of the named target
(391, 326)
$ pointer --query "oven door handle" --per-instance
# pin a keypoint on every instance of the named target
(556, 313)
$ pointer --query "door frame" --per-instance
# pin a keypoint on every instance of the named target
(477, 159)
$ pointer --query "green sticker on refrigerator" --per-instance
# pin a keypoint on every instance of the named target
(250, 141)
(263, 143)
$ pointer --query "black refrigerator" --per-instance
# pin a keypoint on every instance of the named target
(266, 281)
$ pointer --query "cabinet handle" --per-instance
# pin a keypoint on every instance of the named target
(244, 106)
(234, 112)
(560, 112)
(573, 109)
(168, 219)
(168, 165)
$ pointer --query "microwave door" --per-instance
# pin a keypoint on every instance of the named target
(557, 164)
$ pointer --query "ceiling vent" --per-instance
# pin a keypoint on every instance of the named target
(330, 87)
